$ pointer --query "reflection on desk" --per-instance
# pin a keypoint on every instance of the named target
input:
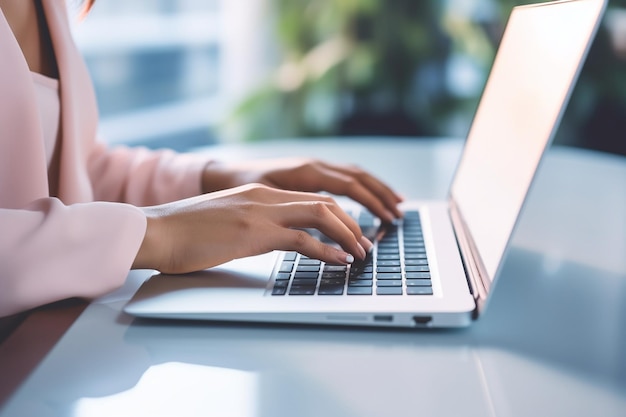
(552, 341)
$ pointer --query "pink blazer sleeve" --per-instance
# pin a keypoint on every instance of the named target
(50, 251)
(142, 177)
(73, 244)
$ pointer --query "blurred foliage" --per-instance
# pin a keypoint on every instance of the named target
(349, 66)
(596, 115)
(383, 67)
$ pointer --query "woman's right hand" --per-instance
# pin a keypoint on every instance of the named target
(208, 230)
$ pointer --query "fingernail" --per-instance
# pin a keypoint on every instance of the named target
(349, 258)
(362, 251)
(366, 244)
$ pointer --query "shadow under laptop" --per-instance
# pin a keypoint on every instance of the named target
(568, 314)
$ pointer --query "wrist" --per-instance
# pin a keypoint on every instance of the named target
(149, 255)
(217, 176)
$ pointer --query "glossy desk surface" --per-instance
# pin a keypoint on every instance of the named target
(552, 342)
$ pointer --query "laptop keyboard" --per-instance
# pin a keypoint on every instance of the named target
(397, 266)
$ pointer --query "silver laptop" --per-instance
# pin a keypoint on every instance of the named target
(438, 265)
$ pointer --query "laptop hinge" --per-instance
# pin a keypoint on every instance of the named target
(476, 273)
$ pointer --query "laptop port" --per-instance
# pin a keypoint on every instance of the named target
(422, 320)
(383, 317)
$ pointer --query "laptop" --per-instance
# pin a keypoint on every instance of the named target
(439, 265)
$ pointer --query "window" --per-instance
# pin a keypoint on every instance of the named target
(158, 67)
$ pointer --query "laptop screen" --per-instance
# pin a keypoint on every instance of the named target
(538, 60)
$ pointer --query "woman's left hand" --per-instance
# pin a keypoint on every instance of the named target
(309, 175)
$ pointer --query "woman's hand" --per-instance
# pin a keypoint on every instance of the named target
(208, 230)
(307, 175)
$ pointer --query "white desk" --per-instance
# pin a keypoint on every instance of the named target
(552, 342)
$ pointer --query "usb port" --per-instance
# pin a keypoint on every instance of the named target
(422, 320)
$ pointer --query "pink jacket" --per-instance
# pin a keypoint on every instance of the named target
(83, 242)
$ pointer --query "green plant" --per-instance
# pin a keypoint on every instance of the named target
(345, 61)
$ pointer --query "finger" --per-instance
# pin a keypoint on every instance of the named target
(345, 218)
(305, 210)
(322, 216)
(323, 176)
(352, 224)
(283, 196)
(381, 190)
(365, 176)
(342, 184)
(300, 241)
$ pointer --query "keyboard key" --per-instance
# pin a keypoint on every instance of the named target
(413, 246)
(333, 275)
(290, 256)
(389, 283)
(359, 290)
(395, 275)
(306, 275)
(303, 282)
(302, 290)
(416, 262)
(388, 251)
(414, 250)
(363, 275)
(419, 290)
(286, 267)
(414, 255)
(308, 268)
(384, 269)
(388, 244)
(361, 283)
(419, 283)
(330, 290)
(389, 263)
(335, 268)
(417, 268)
(283, 275)
(385, 256)
(365, 218)
(417, 275)
(280, 287)
(309, 262)
(279, 290)
(333, 281)
(389, 290)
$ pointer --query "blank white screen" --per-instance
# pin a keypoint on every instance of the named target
(531, 78)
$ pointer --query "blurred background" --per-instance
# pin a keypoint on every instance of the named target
(189, 73)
